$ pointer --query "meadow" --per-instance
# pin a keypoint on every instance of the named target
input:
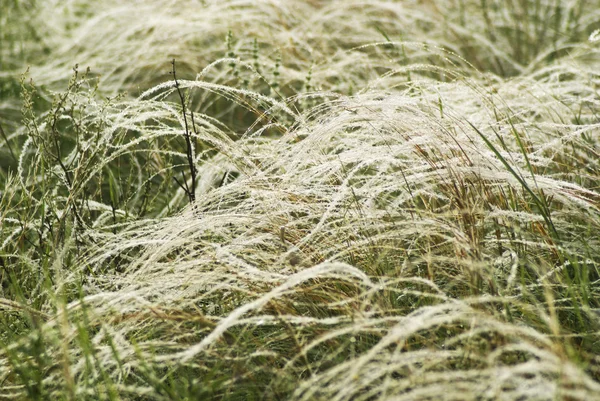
(300, 200)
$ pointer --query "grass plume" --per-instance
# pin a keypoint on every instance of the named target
(342, 200)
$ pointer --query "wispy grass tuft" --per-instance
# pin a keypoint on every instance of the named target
(334, 200)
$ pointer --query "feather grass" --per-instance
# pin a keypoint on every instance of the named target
(394, 200)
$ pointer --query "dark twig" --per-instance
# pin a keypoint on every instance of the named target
(191, 192)
(8, 144)
(183, 185)
(56, 142)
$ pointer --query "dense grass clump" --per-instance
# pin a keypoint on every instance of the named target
(300, 200)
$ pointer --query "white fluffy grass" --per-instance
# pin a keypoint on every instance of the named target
(373, 246)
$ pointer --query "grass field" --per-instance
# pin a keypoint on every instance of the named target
(300, 200)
